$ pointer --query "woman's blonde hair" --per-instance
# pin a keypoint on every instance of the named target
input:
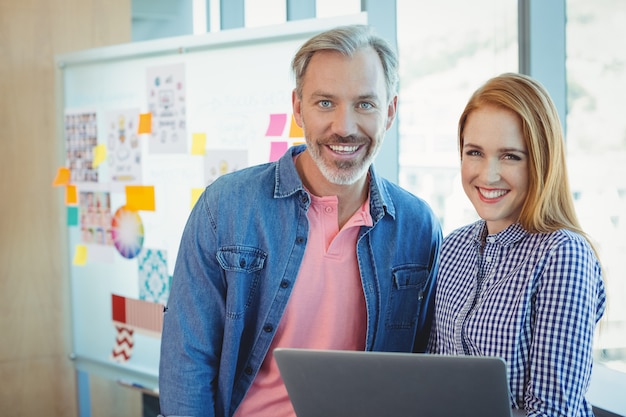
(549, 205)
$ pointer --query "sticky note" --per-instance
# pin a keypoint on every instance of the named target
(198, 144)
(195, 195)
(277, 124)
(80, 255)
(145, 123)
(140, 197)
(71, 195)
(72, 216)
(99, 155)
(277, 149)
(62, 177)
(295, 131)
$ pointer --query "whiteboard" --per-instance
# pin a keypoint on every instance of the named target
(235, 82)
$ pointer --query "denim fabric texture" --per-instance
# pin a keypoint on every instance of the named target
(238, 259)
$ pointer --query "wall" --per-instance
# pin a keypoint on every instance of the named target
(37, 377)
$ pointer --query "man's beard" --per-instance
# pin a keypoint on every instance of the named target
(342, 172)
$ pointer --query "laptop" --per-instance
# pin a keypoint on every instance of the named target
(333, 383)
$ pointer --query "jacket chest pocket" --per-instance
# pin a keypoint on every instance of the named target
(242, 267)
(405, 296)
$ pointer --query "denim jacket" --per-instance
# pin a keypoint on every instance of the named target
(239, 256)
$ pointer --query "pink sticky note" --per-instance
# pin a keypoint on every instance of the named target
(277, 124)
(277, 150)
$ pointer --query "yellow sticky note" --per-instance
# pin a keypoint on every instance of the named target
(62, 178)
(198, 143)
(71, 195)
(195, 195)
(80, 255)
(145, 123)
(140, 197)
(295, 131)
(99, 155)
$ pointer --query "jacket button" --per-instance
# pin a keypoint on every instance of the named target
(248, 370)
(284, 283)
(268, 328)
(242, 262)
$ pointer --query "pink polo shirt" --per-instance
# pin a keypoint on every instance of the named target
(326, 309)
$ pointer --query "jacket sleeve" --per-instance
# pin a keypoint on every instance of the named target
(426, 317)
(193, 323)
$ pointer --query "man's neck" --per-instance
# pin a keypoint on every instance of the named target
(350, 197)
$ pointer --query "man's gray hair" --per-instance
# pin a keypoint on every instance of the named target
(348, 40)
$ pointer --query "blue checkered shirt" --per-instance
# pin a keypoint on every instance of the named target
(531, 299)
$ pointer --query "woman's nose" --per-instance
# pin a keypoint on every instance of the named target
(491, 171)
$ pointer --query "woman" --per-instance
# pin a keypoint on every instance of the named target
(523, 282)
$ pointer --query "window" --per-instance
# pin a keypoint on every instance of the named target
(447, 49)
(265, 12)
(329, 8)
(269, 12)
(596, 143)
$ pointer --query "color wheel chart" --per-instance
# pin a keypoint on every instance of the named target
(127, 231)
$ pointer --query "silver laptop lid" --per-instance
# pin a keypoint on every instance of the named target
(326, 383)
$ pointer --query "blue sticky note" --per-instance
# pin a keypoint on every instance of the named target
(72, 215)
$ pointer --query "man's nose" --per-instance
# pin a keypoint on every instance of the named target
(344, 121)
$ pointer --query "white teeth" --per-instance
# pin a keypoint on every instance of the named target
(344, 148)
(492, 193)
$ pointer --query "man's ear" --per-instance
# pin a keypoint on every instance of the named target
(296, 105)
(391, 111)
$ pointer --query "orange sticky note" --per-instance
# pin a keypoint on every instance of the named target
(80, 255)
(295, 131)
(62, 178)
(99, 155)
(195, 195)
(71, 195)
(140, 197)
(198, 144)
(145, 123)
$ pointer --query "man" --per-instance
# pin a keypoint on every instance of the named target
(314, 250)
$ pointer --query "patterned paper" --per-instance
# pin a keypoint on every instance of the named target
(154, 280)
